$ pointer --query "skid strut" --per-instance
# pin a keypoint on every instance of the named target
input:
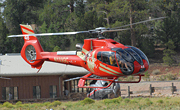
(84, 78)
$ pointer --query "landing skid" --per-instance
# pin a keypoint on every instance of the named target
(114, 80)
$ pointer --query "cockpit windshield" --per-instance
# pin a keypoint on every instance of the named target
(134, 55)
(125, 55)
(107, 57)
(125, 62)
(120, 58)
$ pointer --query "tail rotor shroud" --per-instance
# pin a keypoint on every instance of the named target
(30, 53)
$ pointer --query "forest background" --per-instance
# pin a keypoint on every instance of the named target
(49, 16)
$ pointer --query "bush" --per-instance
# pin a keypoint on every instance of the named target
(162, 78)
(19, 104)
(171, 76)
(114, 100)
(127, 100)
(160, 101)
(149, 102)
(133, 101)
(146, 76)
(8, 105)
(107, 101)
(87, 101)
(56, 103)
(46, 103)
(156, 72)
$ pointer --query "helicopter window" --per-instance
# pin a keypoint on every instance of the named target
(135, 55)
(99, 56)
(125, 55)
(126, 67)
(107, 57)
(143, 56)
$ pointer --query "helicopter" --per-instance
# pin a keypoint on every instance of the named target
(102, 57)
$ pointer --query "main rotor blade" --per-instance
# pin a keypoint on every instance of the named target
(140, 22)
(103, 31)
(50, 34)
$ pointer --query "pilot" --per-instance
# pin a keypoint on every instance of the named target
(112, 60)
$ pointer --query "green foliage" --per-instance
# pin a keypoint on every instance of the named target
(162, 78)
(127, 100)
(8, 105)
(147, 46)
(19, 104)
(160, 101)
(87, 101)
(146, 76)
(156, 72)
(133, 101)
(171, 76)
(168, 53)
(46, 103)
(167, 77)
(130, 78)
(54, 104)
(114, 100)
(148, 102)
(56, 49)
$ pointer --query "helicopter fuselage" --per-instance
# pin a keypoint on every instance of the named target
(103, 57)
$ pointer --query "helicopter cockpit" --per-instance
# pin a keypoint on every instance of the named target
(123, 58)
(118, 59)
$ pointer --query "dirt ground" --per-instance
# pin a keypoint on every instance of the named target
(144, 85)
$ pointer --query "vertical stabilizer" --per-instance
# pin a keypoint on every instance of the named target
(32, 48)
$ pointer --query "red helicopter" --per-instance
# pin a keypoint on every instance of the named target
(100, 56)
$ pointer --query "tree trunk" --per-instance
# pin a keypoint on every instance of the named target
(71, 5)
(133, 38)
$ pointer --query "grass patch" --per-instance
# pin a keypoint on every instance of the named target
(114, 100)
(54, 104)
(106, 104)
(127, 100)
(87, 101)
(160, 101)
